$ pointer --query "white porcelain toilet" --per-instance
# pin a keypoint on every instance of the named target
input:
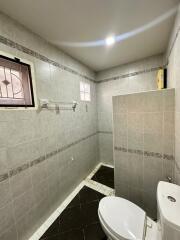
(123, 220)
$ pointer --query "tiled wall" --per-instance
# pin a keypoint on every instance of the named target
(36, 147)
(129, 78)
(143, 127)
(172, 58)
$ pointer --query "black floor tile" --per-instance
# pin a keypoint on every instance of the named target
(53, 230)
(106, 181)
(75, 234)
(99, 195)
(105, 170)
(80, 218)
(75, 202)
(94, 232)
(90, 213)
(71, 218)
(87, 195)
(56, 237)
(105, 175)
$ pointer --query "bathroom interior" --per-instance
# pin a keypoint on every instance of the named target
(89, 120)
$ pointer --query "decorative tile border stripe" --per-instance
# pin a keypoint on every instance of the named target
(19, 169)
(145, 153)
(139, 152)
(121, 149)
(105, 132)
(129, 74)
(34, 162)
(168, 157)
(152, 154)
(41, 57)
(3, 177)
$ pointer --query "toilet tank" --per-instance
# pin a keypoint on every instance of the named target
(168, 200)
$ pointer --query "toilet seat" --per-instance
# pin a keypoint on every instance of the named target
(122, 218)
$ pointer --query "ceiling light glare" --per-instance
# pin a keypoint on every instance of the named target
(110, 40)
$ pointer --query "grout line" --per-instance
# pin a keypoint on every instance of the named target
(99, 187)
(83, 235)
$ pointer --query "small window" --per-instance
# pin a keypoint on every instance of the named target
(85, 91)
(15, 83)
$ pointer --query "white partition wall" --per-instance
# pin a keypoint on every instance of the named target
(143, 128)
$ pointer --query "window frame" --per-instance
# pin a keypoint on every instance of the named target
(84, 92)
(30, 82)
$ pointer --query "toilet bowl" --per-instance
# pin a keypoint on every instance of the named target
(123, 220)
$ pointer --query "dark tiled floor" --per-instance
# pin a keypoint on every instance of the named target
(105, 175)
(79, 221)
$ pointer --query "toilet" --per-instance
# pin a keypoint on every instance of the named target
(123, 220)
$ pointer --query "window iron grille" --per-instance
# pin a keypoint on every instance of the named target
(15, 83)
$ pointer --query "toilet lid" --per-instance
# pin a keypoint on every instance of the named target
(122, 217)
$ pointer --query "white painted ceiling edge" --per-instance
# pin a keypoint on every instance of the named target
(141, 27)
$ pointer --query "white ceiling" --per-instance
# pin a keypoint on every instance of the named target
(90, 20)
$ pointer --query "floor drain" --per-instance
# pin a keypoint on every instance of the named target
(172, 199)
